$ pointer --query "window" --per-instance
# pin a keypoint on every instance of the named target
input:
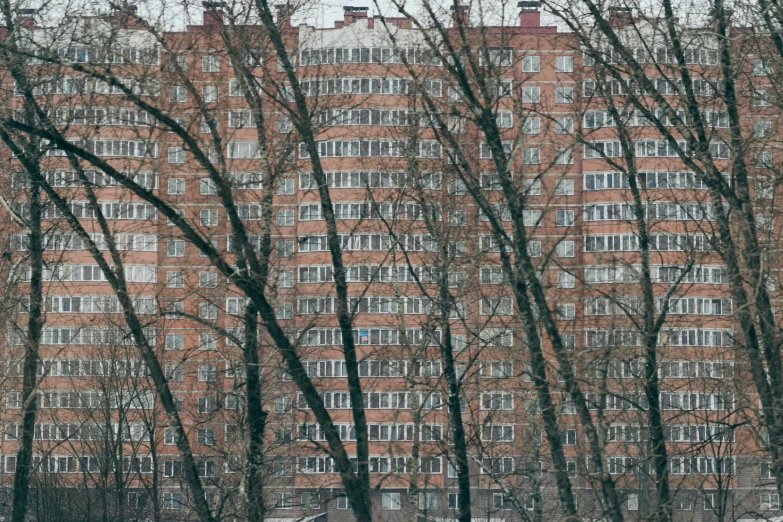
(498, 501)
(206, 436)
(428, 500)
(208, 217)
(210, 63)
(284, 218)
(282, 435)
(764, 221)
(207, 404)
(283, 405)
(172, 468)
(564, 125)
(311, 500)
(175, 279)
(531, 94)
(207, 310)
(179, 120)
(178, 61)
(285, 186)
(531, 187)
(207, 279)
(760, 68)
(762, 128)
(172, 500)
(390, 501)
(564, 218)
(769, 502)
(765, 189)
(243, 149)
(565, 311)
(498, 433)
(174, 341)
(761, 98)
(208, 186)
(453, 497)
(531, 64)
(633, 502)
(344, 503)
(285, 279)
(178, 94)
(500, 56)
(534, 248)
(565, 279)
(174, 372)
(564, 187)
(177, 155)
(682, 503)
(565, 249)
(179, 212)
(207, 373)
(564, 64)
(763, 159)
(168, 437)
(284, 125)
(564, 156)
(531, 156)
(564, 94)
(175, 248)
(284, 248)
(234, 87)
(530, 218)
(176, 186)
(13, 399)
(456, 187)
(207, 341)
(209, 93)
(284, 311)
(505, 119)
(457, 218)
(531, 125)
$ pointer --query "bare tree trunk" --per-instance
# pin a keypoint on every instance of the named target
(35, 319)
(359, 488)
(31, 357)
(256, 419)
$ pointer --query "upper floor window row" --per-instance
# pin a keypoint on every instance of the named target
(664, 179)
(107, 148)
(86, 54)
(372, 179)
(368, 148)
(410, 55)
(85, 85)
(663, 86)
(600, 118)
(85, 209)
(501, 56)
(369, 85)
(72, 178)
(97, 116)
(701, 55)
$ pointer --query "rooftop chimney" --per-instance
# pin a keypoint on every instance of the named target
(351, 13)
(460, 14)
(213, 13)
(620, 16)
(284, 15)
(529, 14)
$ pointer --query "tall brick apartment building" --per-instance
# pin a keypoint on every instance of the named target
(96, 404)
